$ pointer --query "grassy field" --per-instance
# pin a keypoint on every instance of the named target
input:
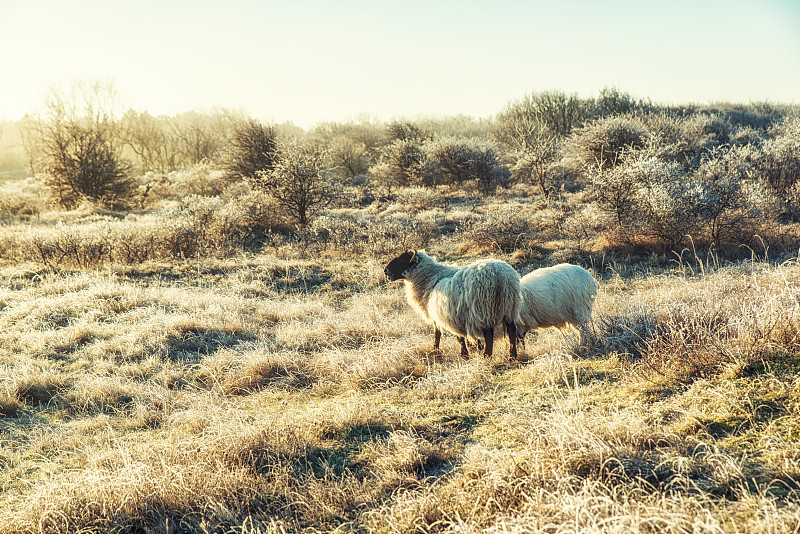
(268, 394)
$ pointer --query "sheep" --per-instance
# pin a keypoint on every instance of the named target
(556, 296)
(478, 301)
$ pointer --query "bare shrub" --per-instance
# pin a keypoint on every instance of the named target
(299, 183)
(252, 153)
(349, 157)
(533, 164)
(406, 131)
(198, 138)
(352, 147)
(613, 101)
(349, 236)
(462, 162)
(77, 144)
(150, 141)
(400, 165)
(84, 165)
(552, 111)
(415, 157)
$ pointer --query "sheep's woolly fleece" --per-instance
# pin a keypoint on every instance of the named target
(556, 296)
(464, 301)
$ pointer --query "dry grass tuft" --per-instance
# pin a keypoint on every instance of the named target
(44, 389)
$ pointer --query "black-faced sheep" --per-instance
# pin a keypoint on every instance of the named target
(556, 296)
(478, 301)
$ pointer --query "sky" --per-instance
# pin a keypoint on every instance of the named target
(307, 61)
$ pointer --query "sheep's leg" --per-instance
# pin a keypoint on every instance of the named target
(488, 337)
(437, 337)
(464, 351)
(511, 330)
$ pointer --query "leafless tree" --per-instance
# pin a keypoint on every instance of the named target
(199, 138)
(150, 141)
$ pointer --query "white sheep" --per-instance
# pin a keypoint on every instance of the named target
(556, 296)
(478, 301)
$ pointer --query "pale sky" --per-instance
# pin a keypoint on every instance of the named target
(309, 61)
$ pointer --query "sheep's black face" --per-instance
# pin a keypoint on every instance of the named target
(398, 268)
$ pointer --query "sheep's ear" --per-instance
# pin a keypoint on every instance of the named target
(414, 257)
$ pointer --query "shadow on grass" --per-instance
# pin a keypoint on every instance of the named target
(194, 342)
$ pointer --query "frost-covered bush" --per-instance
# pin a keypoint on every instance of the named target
(300, 182)
(659, 206)
(689, 140)
(617, 189)
(713, 130)
(780, 166)
(502, 230)
(667, 209)
(201, 180)
(259, 210)
(747, 136)
(420, 199)
(604, 142)
(216, 226)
